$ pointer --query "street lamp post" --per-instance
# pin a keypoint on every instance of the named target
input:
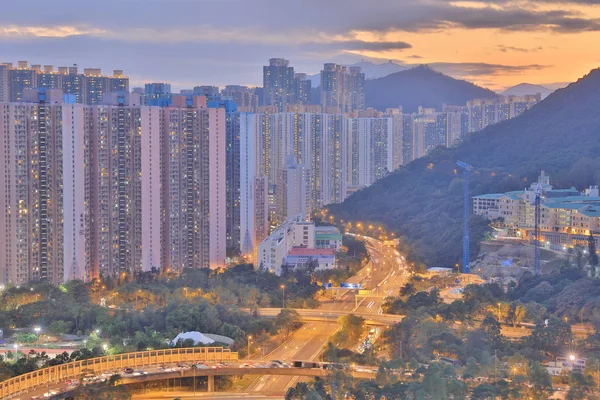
(249, 338)
(194, 368)
(498, 312)
(283, 295)
(37, 330)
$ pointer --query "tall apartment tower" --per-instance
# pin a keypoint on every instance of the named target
(302, 89)
(292, 185)
(48, 78)
(356, 88)
(32, 163)
(115, 192)
(4, 82)
(72, 83)
(19, 79)
(372, 146)
(278, 83)
(254, 206)
(342, 87)
(194, 170)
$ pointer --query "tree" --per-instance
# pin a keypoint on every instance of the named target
(553, 337)
(352, 328)
(408, 289)
(579, 386)
(540, 379)
(491, 327)
(287, 320)
(593, 256)
(519, 314)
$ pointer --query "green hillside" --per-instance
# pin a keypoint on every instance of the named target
(422, 202)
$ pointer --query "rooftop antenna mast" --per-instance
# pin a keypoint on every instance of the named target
(466, 250)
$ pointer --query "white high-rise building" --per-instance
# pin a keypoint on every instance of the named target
(254, 207)
(372, 141)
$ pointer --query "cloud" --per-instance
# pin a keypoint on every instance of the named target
(59, 31)
(361, 45)
(475, 69)
(167, 18)
(506, 49)
(414, 57)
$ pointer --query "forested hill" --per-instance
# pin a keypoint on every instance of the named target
(420, 86)
(423, 201)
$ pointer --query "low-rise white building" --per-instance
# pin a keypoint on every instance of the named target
(296, 242)
(300, 257)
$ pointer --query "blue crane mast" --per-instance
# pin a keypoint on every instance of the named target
(466, 251)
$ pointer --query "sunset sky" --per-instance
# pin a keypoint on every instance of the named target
(495, 43)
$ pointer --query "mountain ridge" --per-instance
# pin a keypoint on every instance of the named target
(423, 201)
(527, 88)
(421, 86)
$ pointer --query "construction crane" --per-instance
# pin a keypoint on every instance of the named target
(537, 233)
(466, 252)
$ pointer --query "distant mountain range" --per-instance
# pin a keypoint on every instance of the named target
(527, 88)
(420, 86)
(371, 70)
(423, 201)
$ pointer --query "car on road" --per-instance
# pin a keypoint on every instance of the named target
(128, 370)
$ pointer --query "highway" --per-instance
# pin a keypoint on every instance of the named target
(385, 272)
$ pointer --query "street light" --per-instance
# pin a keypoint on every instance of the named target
(283, 295)
(249, 338)
(105, 346)
(498, 312)
(37, 330)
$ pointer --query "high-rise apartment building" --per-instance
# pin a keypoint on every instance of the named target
(19, 79)
(278, 83)
(4, 82)
(88, 88)
(32, 176)
(194, 154)
(291, 191)
(232, 173)
(485, 112)
(342, 87)
(254, 207)
(101, 190)
(302, 89)
(73, 83)
(372, 146)
(157, 94)
(356, 88)
(245, 98)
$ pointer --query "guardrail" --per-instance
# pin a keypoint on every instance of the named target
(75, 369)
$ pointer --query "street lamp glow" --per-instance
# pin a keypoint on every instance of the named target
(105, 346)
(571, 357)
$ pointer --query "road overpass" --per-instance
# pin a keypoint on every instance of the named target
(74, 370)
(320, 315)
(153, 363)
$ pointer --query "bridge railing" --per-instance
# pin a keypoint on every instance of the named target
(76, 369)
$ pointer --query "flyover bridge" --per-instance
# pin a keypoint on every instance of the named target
(53, 377)
(59, 373)
(320, 315)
